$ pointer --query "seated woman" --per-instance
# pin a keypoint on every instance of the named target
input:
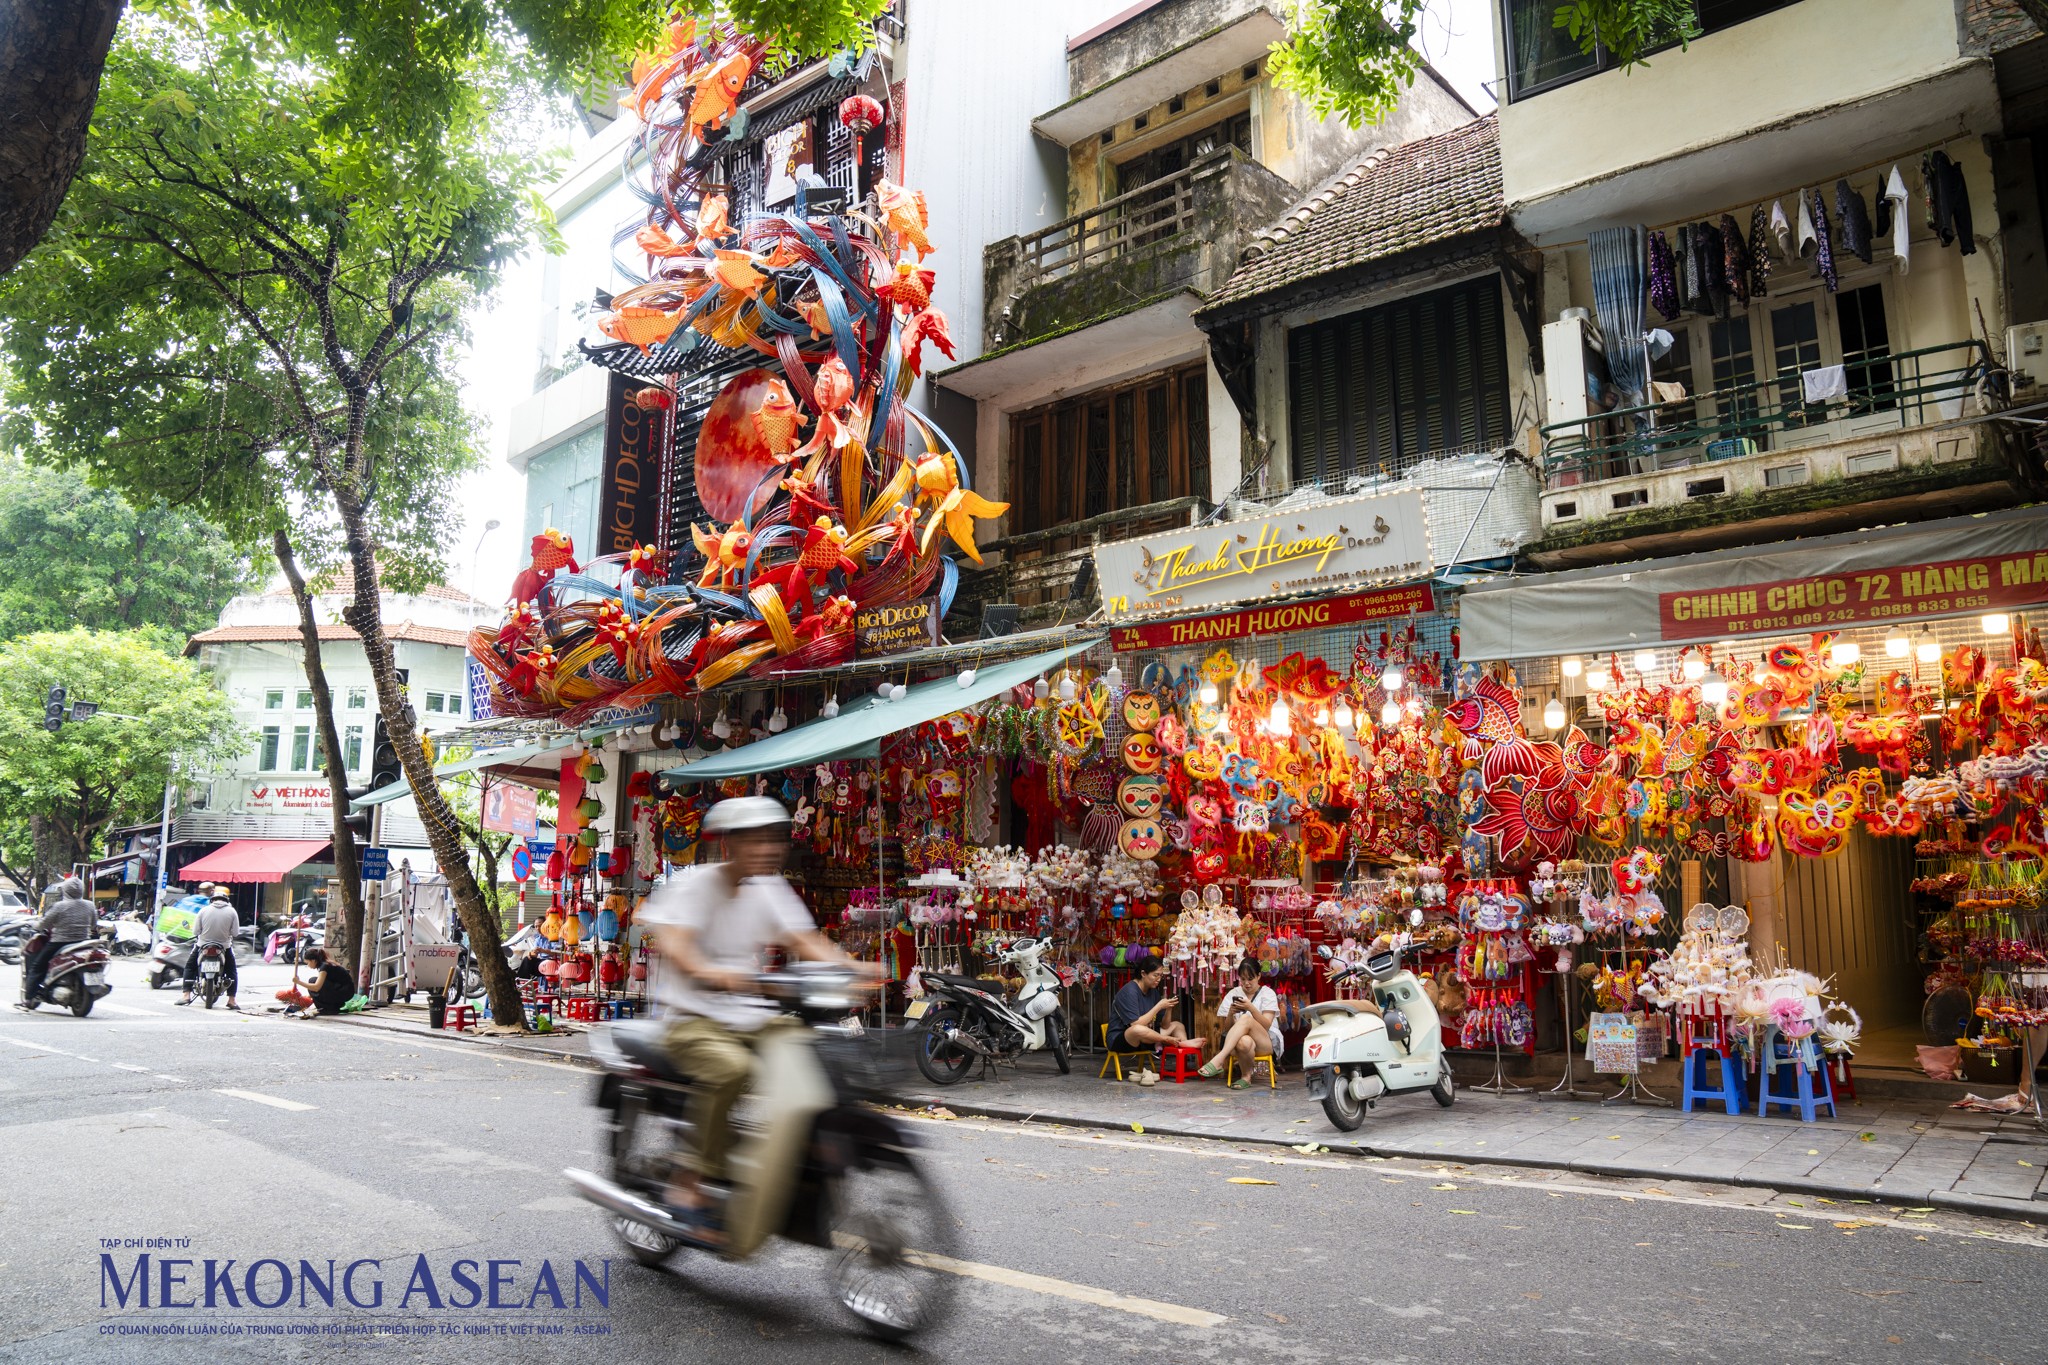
(1134, 1016)
(328, 991)
(1253, 1015)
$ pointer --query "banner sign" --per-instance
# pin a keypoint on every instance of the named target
(273, 798)
(1327, 611)
(1377, 539)
(510, 808)
(1824, 601)
(633, 439)
(373, 862)
(891, 630)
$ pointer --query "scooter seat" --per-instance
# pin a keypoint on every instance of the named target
(946, 978)
(641, 1040)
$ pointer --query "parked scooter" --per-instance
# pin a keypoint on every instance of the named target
(75, 977)
(125, 937)
(1352, 1056)
(859, 1191)
(964, 1021)
(14, 929)
(167, 959)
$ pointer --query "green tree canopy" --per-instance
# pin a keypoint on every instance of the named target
(72, 786)
(72, 554)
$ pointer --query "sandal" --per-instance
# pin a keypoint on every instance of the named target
(1213, 1069)
(1241, 1083)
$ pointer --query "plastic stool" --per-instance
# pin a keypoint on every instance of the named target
(1180, 1063)
(1812, 1088)
(1727, 1089)
(1272, 1071)
(459, 1017)
(583, 1010)
(625, 1009)
(1117, 1056)
(1840, 1077)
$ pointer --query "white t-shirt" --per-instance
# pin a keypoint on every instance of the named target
(733, 932)
(1266, 1002)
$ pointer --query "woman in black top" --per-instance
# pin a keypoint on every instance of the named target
(332, 988)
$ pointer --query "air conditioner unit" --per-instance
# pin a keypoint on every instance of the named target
(2026, 354)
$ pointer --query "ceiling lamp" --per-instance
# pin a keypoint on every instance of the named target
(1845, 653)
(778, 722)
(1927, 649)
(1595, 680)
(1393, 679)
(966, 678)
(1694, 668)
(1714, 688)
(1345, 720)
(831, 707)
(1208, 694)
(1553, 714)
(1646, 661)
(1896, 645)
(1571, 666)
(1995, 623)
(1277, 721)
(1390, 714)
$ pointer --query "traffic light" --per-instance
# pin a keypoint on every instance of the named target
(384, 765)
(358, 821)
(54, 708)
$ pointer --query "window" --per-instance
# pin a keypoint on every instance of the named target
(1542, 55)
(358, 698)
(273, 700)
(302, 747)
(1108, 451)
(1381, 389)
(352, 748)
(305, 699)
(454, 703)
(267, 760)
(434, 702)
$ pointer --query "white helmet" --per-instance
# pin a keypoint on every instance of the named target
(741, 813)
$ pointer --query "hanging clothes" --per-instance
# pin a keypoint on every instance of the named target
(1690, 286)
(1735, 260)
(1951, 200)
(1663, 276)
(1620, 282)
(1902, 235)
(1855, 220)
(1759, 252)
(1927, 180)
(1809, 240)
(1713, 267)
(1781, 231)
(1824, 244)
(1881, 209)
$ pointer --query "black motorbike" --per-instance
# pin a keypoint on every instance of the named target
(963, 1021)
(212, 973)
(860, 1191)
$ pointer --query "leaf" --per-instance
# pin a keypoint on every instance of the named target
(1137, 1127)
(1866, 1137)
(1801, 1227)
(1471, 1213)
(1443, 1187)
(1250, 1180)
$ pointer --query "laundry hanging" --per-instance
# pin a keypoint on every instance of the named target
(1781, 230)
(1855, 221)
(1759, 252)
(1735, 259)
(1618, 257)
(1948, 201)
(1902, 235)
(1663, 276)
(1824, 245)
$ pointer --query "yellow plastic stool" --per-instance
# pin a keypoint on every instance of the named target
(1115, 1056)
(1272, 1071)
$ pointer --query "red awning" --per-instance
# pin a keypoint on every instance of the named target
(253, 860)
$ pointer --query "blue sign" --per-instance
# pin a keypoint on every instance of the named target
(375, 863)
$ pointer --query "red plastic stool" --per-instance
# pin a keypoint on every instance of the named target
(459, 1017)
(1845, 1081)
(583, 1010)
(1180, 1063)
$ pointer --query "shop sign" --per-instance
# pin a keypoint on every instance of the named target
(270, 798)
(1328, 545)
(1328, 611)
(511, 808)
(1824, 601)
(630, 512)
(891, 630)
(786, 155)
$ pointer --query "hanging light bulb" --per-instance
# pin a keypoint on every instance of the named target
(966, 678)
(1067, 685)
(1714, 688)
(1596, 680)
(1114, 675)
(722, 727)
(1414, 705)
(1553, 714)
(1646, 661)
(1208, 694)
(1041, 689)
(882, 689)
(1344, 718)
(1845, 653)
(1278, 718)
(1694, 668)
(831, 707)
(1322, 715)
(1571, 665)
(1927, 649)
(1393, 679)
(1390, 714)
(778, 722)
(896, 692)
(1896, 645)
(1994, 623)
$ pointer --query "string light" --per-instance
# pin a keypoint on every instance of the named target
(1571, 666)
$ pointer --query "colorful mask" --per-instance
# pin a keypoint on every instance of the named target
(1141, 839)
(1141, 710)
(1141, 753)
(1141, 797)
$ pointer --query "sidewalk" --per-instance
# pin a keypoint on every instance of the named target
(569, 1044)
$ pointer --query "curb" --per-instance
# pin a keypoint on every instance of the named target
(578, 1059)
(1990, 1206)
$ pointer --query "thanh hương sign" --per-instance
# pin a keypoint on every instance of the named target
(1335, 544)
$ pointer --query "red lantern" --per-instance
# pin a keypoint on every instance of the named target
(550, 967)
(861, 113)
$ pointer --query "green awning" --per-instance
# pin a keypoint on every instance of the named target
(488, 758)
(859, 728)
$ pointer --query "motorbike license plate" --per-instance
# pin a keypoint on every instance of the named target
(209, 968)
(917, 1009)
(95, 978)
(1319, 1083)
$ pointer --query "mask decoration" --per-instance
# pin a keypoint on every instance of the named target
(1141, 839)
(943, 790)
(1142, 753)
(1816, 824)
(1141, 710)
(1204, 762)
(1141, 797)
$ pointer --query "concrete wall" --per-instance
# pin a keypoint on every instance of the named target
(1161, 27)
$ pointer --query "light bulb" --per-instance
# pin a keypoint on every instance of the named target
(1414, 706)
(778, 722)
(966, 678)
(1896, 645)
(831, 707)
(882, 689)
(1714, 689)
(1646, 661)
(1114, 676)
(1995, 623)
(1393, 678)
(1694, 668)
(721, 726)
(1066, 686)
(1208, 694)
(1846, 653)
(1390, 714)
(1571, 666)
(1278, 718)
(1041, 689)
(1553, 714)
(896, 692)
(1595, 681)
(1345, 720)
(1927, 649)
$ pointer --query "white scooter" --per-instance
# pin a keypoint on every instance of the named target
(1352, 1056)
(963, 1020)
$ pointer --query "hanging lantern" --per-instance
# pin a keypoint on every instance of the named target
(861, 113)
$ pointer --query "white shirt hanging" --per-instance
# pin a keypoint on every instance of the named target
(1781, 229)
(1809, 240)
(1902, 232)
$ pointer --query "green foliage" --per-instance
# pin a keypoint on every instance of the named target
(1355, 57)
(72, 554)
(96, 773)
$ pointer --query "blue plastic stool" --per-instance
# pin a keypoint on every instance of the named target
(1727, 1088)
(1808, 1096)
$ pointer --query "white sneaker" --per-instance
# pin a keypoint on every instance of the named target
(1148, 1077)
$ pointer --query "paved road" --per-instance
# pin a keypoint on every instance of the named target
(260, 1137)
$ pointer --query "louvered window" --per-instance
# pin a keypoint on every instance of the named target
(1110, 451)
(1379, 390)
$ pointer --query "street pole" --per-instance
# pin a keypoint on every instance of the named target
(475, 559)
(163, 843)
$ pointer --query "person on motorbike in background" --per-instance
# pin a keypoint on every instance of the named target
(70, 919)
(214, 927)
(712, 925)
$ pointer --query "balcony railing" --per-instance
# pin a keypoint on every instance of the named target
(1041, 570)
(1900, 389)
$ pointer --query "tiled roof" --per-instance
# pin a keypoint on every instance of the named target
(403, 630)
(1390, 201)
(340, 582)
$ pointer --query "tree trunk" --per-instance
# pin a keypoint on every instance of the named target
(347, 871)
(444, 834)
(51, 56)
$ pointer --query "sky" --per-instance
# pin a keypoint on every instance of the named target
(1456, 37)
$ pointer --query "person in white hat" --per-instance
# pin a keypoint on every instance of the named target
(712, 925)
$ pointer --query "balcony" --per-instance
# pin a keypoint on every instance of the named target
(1757, 461)
(1050, 573)
(1182, 231)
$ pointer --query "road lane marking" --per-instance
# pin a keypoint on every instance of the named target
(124, 1066)
(1066, 1289)
(130, 1009)
(160, 1076)
(271, 1100)
(40, 1047)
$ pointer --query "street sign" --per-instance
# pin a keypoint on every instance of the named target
(375, 863)
(522, 864)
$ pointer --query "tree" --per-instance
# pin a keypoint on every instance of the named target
(72, 554)
(220, 319)
(1355, 57)
(399, 70)
(73, 785)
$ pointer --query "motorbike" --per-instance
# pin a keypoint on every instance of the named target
(291, 941)
(1352, 1056)
(962, 1020)
(125, 937)
(75, 977)
(859, 1189)
(167, 958)
(212, 975)
(14, 929)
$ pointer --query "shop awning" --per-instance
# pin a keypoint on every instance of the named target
(1959, 566)
(253, 860)
(858, 730)
(488, 758)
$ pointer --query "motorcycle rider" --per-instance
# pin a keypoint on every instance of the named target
(214, 926)
(712, 924)
(71, 919)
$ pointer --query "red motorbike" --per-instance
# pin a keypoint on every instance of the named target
(75, 977)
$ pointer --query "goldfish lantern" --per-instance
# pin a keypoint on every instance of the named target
(1141, 711)
(1141, 838)
(1210, 864)
(1141, 753)
(1140, 797)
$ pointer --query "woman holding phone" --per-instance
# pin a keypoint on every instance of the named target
(1253, 1014)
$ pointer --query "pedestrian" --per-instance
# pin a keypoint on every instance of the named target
(1254, 1014)
(1136, 1014)
(331, 987)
